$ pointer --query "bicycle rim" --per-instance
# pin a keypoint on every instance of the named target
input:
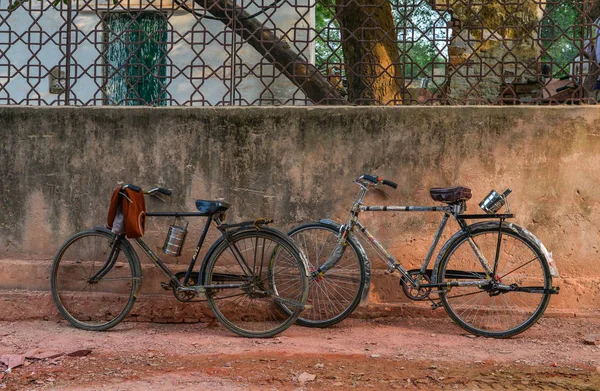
(97, 305)
(490, 313)
(333, 295)
(267, 272)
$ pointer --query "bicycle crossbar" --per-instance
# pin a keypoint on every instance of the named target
(486, 216)
(392, 208)
(177, 214)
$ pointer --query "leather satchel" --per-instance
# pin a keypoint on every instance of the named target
(127, 212)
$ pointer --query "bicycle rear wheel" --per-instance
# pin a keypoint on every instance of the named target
(251, 280)
(486, 310)
(332, 295)
(93, 289)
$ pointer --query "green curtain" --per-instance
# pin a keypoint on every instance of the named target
(135, 55)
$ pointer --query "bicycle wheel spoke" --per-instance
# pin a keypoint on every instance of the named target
(519, 267)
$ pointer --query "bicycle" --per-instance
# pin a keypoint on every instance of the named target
(246, 275)
(493, 278)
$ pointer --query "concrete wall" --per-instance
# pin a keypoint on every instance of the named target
(58, 167)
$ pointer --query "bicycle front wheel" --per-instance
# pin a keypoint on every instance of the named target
(93, 286)
(256, 283)
(332, 295)
(492, 309)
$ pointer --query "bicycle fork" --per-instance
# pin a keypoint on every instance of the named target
(109, 263)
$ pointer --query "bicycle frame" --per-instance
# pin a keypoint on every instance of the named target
(455, 210)
(182, 286)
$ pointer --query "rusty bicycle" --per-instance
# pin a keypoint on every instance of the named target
(246, 276)
(494, 278)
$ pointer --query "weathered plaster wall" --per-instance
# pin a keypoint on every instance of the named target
(58, 167)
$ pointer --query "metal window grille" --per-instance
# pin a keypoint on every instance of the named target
(298, 52)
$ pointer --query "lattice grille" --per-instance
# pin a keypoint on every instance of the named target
(298, 52)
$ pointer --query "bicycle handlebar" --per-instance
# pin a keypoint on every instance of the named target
(377, 180)
(161, 190)
(137, 189)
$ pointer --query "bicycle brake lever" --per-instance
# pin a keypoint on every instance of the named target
(159, 197)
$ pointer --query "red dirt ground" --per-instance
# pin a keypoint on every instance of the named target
(387, 353)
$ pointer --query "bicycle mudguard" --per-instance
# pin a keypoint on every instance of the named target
(363, 254)
(548, 255)
(494, 224)
(131, 253)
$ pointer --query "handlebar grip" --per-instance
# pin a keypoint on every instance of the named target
(371, 178)
(391, 184)
(164, 191)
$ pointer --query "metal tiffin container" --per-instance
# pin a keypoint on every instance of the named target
(175, 238)
(494, 201)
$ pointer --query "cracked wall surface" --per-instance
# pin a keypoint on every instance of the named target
(58, 167)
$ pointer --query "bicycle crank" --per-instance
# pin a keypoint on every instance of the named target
(412, 292)
(189, 292)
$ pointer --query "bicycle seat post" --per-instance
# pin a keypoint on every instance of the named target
(459, 208)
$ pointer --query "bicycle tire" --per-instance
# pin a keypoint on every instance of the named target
(94, 306)
(333, 296)
(480, 311)
(276, 273)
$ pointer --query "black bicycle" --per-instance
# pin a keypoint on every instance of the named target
(254, 277)
(494, 278)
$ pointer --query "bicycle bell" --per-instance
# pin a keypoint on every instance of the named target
(494, 201)
(175, 238)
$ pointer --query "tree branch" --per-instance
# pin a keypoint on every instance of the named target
(293, 65)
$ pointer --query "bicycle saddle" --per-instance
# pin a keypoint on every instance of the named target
(210, 207)
(450, 195)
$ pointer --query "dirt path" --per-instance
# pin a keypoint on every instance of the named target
(390, 353)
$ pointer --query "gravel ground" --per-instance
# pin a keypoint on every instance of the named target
(386, 353)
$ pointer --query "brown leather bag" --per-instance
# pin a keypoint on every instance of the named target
(132, 205)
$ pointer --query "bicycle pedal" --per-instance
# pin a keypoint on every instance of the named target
(165, 285)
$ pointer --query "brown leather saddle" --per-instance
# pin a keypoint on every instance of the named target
(450, 195)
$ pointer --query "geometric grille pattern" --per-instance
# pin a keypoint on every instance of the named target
(298, 52)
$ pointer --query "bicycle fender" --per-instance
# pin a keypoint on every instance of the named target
(547, 254)
(131, 253)
(363, 254)
(494, 224)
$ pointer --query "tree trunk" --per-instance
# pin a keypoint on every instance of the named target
(371, 58)
(293, 65)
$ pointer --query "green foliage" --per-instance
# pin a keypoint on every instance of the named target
(422, 37)
(328, 48)
(562, 39)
